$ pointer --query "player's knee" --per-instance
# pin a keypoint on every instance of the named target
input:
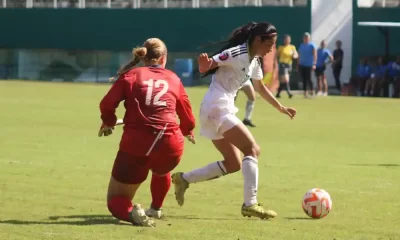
(251, 98)
(254, 151)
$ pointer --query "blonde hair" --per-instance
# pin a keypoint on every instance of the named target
(150, 53)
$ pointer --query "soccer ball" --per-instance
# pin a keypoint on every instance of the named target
(317, 203)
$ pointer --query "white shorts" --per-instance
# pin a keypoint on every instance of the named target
(217, 114)
(247, 83)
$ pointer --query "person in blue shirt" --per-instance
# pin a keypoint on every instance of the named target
(324, 57)
(393, 77)
(307, 62)
(374, 83)
(363, 73)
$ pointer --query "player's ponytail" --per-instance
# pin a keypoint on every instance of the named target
(151, 52)
(244, 34)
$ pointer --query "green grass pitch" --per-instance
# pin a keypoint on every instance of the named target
(54, 170)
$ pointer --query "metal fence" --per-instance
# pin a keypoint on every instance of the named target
(378, 3)
(173, 3)
(71, 65)
(145, 3)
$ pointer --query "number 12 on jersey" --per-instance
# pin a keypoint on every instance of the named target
(151, 84)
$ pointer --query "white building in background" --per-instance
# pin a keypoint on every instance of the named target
(330, 21)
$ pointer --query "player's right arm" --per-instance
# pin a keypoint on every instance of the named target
(226, 57)
(110, 102)
(185, 113)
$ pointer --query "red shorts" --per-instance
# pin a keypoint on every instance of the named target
(134, 160)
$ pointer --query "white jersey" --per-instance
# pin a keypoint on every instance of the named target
(217, 111)
(235, 68)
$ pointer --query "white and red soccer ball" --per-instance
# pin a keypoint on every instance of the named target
(317, 203)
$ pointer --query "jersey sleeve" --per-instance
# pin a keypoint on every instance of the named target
(224, 58)
(257, 73)
(313, 46)
(110, 102)
(184, 111)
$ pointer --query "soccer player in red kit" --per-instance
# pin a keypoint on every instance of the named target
(152, 139)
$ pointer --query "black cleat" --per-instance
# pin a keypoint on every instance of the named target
(248, 123)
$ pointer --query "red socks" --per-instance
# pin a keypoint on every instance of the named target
(120, 207)
(159, 188)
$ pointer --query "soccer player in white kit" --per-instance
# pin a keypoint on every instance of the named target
(239, 62)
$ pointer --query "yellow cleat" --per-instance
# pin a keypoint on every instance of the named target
(257, 210)
(180, 187)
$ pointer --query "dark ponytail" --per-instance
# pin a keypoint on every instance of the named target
(244, 34)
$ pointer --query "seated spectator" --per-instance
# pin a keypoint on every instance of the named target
(377, 78)
(363, 73)
(393, 75)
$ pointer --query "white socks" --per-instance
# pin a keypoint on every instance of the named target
(209, 172)
(250, 178)
(249, 109)
(217, 169)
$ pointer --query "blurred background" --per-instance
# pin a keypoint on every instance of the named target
(88, 40)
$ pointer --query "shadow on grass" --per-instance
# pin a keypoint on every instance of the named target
(88, 220)
(78, 220)
(374, 165)
(298, 218)
(192, 217)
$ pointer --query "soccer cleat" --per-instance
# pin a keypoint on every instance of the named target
(180, 187)
(248, 122)
(139, 218)
(153, 213)
(257, 210)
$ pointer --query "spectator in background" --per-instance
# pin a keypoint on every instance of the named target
(377, 78)
(323, 54)
(393, 70)
(396, 81)
(285, 55)
(337, 63)
(362, 75)
(307, 62)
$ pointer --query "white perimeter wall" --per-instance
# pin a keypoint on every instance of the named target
(332, 20)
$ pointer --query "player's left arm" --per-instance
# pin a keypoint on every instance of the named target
(295, 53)
(314, 52)
(267, 95)
(185, 113)
(330, 57)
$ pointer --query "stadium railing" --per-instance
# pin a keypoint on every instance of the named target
(146, 3)
(378, 3)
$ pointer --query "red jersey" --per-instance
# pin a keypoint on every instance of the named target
(152, 96)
